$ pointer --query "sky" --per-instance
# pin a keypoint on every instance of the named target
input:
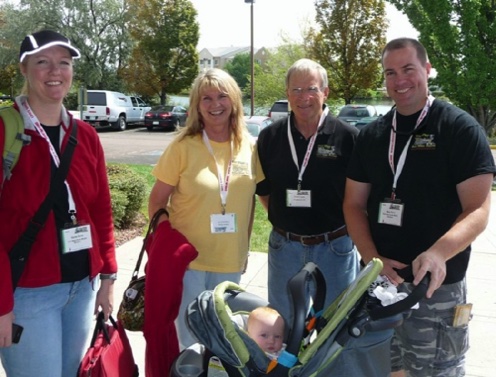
(225, 23)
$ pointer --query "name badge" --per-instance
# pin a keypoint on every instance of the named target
(391, 212)
(223, 223)
(76, 238)
(295, 198)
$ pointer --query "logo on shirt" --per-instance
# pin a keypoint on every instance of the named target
(424, 142)
(326, 151)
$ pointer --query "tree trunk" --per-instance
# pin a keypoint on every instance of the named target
(484, 116)
(163, 97)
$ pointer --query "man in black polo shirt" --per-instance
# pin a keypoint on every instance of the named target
(418, 192)
(304, 158)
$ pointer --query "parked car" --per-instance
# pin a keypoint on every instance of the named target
(383, 109)
(279, 110)
(360, 123)
(105, 108)
(166, 116)
(353, 113)
(257, 123)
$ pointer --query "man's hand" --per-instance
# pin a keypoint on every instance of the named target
(389, 270)
(429, 261)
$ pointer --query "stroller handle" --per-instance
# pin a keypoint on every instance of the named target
(404, 305)
(298, 288)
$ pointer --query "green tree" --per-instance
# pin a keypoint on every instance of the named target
(96, 27)
(270, 83)
(8, 76)
(167, 33)
(349, 44)
(460, 38)
(99, 29)
(240, 69)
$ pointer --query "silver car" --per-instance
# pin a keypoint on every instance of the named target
(279, 109)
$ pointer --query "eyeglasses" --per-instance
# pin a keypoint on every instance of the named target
(312, 91)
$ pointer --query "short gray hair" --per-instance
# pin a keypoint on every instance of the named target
(305, 66)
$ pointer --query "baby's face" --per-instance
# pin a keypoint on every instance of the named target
(268, 333)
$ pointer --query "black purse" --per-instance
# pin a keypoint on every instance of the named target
(131, 313)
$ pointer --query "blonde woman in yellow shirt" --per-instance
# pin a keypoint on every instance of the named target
(206, 179)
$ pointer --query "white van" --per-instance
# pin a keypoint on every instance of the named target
(104, 108)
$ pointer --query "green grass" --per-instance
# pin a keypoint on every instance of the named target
(261, 229)
(261, 226)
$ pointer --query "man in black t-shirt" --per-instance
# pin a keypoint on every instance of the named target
(304, 158)
(418, 192)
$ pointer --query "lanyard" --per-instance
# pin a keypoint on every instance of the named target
(311, 143)
(223, 183)
(392, 144)
(28, 115)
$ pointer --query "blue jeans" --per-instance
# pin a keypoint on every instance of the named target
(339, 262)
(337, 259)
(57, 321)
(194, 283)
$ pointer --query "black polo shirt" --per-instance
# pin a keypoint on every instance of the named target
(324, 176)
(448, 147)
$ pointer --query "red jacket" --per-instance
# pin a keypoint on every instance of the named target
(25, 191)
(169, 254)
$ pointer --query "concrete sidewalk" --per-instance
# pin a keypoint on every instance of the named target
(481, 358)
(481, 280)
(254, 281)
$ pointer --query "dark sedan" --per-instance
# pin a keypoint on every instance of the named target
(167, 117)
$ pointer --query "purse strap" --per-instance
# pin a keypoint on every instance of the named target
(20, 252)
(151, 227)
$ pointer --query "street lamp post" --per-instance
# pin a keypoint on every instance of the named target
(252, 68)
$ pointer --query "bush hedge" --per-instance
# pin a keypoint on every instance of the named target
(128, 191)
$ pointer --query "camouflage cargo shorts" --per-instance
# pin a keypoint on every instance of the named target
(426, 344)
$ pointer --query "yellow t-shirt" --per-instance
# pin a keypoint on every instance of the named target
(188, 166)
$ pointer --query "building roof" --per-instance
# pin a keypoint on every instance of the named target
(224, 52)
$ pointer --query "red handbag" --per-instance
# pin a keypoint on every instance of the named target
(110, 353)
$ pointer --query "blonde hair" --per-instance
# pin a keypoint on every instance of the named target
(262, 311)
(25, 85)
(221, 80)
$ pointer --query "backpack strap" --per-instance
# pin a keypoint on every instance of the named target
(20, 251)
(14, 139)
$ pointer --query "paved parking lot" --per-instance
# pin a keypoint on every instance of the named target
(134, 146)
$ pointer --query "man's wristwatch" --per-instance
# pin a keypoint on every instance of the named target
(108, 276)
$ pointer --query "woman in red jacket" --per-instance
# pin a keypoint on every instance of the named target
(59, 288)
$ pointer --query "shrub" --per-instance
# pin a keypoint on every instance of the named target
(119, 204)
(128, 191)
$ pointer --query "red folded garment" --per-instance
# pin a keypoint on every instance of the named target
(169, 254)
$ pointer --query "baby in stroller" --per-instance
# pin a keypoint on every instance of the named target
(315, 338)
(266, 327)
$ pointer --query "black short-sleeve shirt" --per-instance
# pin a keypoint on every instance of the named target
(448, 147)
(325, 174)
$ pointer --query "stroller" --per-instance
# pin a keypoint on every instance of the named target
(316, 336)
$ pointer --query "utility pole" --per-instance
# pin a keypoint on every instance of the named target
(252, 94)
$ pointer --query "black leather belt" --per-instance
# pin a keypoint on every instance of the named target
(313, 239)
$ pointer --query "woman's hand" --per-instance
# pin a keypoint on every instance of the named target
(6, 329)
(105, 298)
